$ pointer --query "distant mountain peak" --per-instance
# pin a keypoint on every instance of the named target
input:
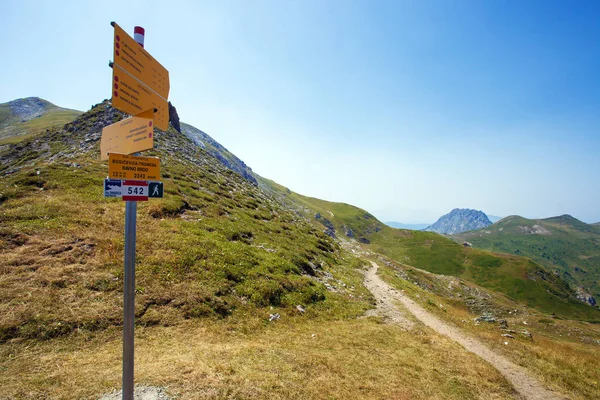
(29, 108)
(460, 220)
(31, 115)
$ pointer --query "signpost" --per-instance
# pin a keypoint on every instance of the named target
(133, 58)
(128, 136)
(122, 166)
(139, 81)
(140, 87)
(133, 97)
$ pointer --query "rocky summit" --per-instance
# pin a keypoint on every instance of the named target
(460, 220)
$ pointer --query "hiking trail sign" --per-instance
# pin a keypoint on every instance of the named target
(139, 81)
(123, 166)
(128, 136)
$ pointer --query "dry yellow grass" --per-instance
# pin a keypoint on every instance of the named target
(293, 359)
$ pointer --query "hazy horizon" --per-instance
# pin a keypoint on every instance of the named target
(405, 109)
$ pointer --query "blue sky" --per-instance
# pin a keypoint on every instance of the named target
(405, 108)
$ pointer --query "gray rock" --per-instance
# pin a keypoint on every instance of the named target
(584, 295)
(486, 318)
(460, 220)
(140, 393)
(527, 334)
(273, 317)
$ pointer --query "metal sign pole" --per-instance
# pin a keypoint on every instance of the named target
(129, 298)
(129, 280)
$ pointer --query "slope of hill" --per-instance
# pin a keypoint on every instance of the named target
(460, 220)
(517, 277)
(228, 159)
(61, 239)
(26, 117)
(400, 225)
(563, 244)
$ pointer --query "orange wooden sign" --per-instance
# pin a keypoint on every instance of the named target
(122, 166)
(133, 97)
(128, 136)
(132, 57)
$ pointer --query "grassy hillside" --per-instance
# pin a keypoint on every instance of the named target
(14, 128)
(214, 246)
(517, 277)
(563, 244)
(343, 220)
(215, 258)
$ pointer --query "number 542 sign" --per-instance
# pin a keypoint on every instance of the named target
(135, 190)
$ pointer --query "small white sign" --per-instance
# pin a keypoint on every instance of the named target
(113, 188)
(135, 190)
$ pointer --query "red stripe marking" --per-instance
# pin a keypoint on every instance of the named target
(135, 183)
(135, 198)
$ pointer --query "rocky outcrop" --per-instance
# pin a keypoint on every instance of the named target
(174, 118)
(583, 295)
(460, 220)
(329, 227)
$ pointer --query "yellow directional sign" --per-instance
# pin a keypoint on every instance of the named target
(122, 166)
(133, 97)
(128, 136)
(132, 57)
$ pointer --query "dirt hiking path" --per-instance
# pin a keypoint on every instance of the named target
(524, 384)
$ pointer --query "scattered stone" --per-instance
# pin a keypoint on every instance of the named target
(503, 324)
(273, 317)
(527, 334)
(508, 335)
(505, 343)
(140, 393)
(584, 296)
(300, 308)
(486, 318)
